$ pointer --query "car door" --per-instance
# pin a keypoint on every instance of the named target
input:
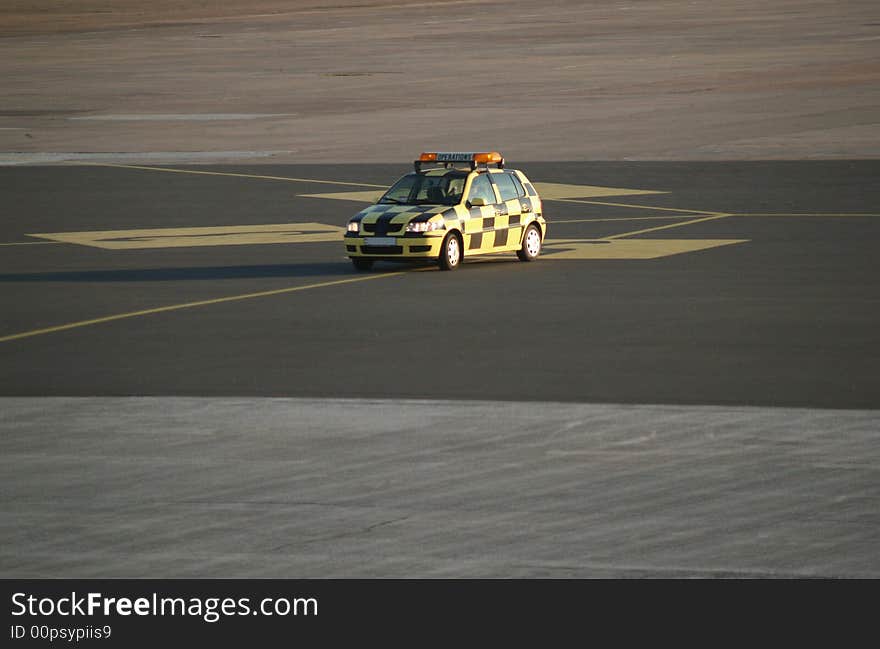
(479, 228)
(508, 230)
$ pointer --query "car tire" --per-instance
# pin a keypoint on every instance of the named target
(451, 252)
(531, 244)
(362, 264)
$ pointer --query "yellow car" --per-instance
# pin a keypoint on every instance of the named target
(451, 206)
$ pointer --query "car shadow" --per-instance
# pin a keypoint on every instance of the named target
(179, 274)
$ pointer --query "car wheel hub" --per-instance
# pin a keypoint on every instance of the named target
(452, 251)
(533, 243)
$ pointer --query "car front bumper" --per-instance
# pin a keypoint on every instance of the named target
(393, 247)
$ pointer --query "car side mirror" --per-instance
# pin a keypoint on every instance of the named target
(477, 202)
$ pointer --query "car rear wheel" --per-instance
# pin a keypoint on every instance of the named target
(531, 244)
(450, 252)
(362, 264)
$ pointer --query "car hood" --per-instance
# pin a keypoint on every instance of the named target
(376, 211)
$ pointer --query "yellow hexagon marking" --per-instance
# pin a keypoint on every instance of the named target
(552, 191)
(628, 248)
(230, 235)
(370, 196)
(548, 191)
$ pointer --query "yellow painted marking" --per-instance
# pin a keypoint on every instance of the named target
(192, 305)
(551, 191)
(360, 197)
(30, 243)
(624, 218)
(629, 248)
(668, 227)
(641, 207)
(546, 190)
(561, 191)
(230, 235)
(234, 175)
(804, 214)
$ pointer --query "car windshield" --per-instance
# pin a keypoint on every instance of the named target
(423, 189)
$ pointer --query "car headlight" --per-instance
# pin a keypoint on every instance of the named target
(425, 226)
(354, 226)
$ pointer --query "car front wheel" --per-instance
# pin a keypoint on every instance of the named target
(450, 252)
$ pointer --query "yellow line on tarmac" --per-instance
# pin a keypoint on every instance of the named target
(667, 227)
(31, 243)
(804, 214)
(234, 175)
(624, 218)
(638, 207)
(190, 305)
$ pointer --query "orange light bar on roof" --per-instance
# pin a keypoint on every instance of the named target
(448, 157)
(461, 156)
(487, 158)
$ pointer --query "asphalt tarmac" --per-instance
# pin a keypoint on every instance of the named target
(788, 316)
(684, 384)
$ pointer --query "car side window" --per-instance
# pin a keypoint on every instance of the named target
(520, 191)
(482, 188)
(505, 186)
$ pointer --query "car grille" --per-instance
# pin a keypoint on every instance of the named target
(381, 228)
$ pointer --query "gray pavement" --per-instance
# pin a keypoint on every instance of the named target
(376, 81)
(195, 487)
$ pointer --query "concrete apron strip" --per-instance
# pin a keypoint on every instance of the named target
(285, 487)
(11, 158)
(178, 117)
